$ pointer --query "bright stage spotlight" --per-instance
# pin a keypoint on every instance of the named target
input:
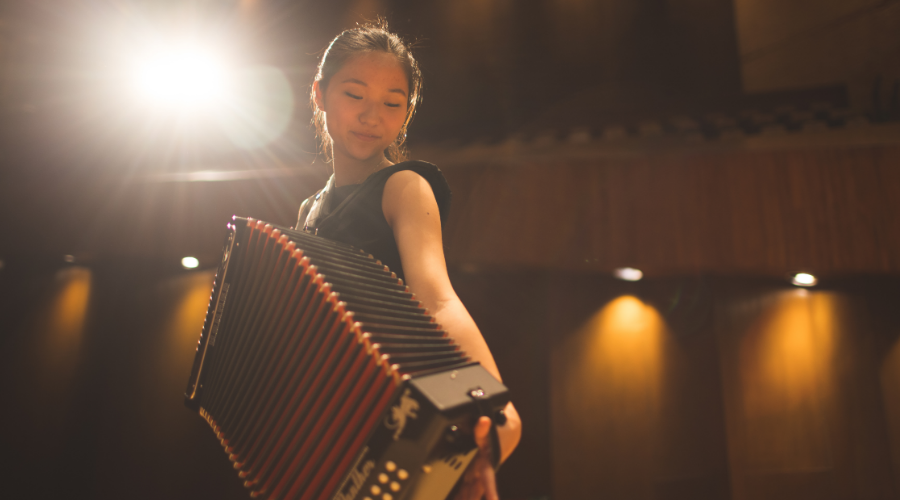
(628, 274)
(181, 76)
(804, 279)
(190, 262)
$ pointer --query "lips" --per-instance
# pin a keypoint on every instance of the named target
(365, 137)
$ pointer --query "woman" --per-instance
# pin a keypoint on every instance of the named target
(364, 96)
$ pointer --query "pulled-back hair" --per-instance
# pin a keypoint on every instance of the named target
(370, 37)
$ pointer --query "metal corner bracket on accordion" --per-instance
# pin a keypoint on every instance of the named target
(324, 378)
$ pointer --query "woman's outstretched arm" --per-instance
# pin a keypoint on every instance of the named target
(412, 212)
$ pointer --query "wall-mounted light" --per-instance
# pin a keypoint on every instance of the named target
(69, 258)
(628, 274)
(190, 262)
(804, 279)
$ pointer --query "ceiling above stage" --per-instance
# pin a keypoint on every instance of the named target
(492, 67)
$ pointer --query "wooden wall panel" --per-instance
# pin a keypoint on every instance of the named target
(804, 412)
(93, 387)
(890, 383)
(122, 216)
(779, 381)
(608, 384)
(763, 212)
(635, 401)
(782, 394)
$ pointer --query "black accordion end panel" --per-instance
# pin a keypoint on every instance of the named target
(324, 378)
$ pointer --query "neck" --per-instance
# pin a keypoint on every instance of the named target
(352, 171)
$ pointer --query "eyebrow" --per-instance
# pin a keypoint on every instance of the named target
(360, 82)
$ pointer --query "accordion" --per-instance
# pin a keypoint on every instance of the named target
(324, 378)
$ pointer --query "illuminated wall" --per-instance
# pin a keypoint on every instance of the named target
(606, 391)
(890, 383)
(786, 380)
(784, 394)
(163, 321)
(53, 336)
(94, 368)
(806, 417)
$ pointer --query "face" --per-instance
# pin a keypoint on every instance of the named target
(365, 106)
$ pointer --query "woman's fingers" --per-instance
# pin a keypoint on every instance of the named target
(487, 480)
(472, 488)
(482, 469)
(479, 480)
(483, 434)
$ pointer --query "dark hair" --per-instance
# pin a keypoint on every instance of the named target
(370, 37)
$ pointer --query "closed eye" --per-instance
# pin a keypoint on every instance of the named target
(353, 96)
(391, 105)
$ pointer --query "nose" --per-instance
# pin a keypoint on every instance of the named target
(370, 114)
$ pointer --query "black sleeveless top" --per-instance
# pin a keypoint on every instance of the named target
(352, 214)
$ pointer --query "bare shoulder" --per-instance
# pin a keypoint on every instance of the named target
(406, 191)
(405, 179)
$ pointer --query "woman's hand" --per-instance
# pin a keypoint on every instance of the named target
(478, 480)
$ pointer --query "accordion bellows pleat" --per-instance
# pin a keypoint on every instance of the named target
(323, 376)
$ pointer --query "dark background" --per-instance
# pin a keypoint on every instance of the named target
(719, 146)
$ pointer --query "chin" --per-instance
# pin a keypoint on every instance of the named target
(366, 155)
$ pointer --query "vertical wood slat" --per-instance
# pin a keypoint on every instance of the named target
(764, 212)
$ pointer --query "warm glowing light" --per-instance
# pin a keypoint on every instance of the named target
(628, 274)
(786, 376)
(183, 76)
(190, 262)
(804, 279)
(70, 306)
(69, 258)
(56, 331)
(890, 383)
(609, 381)
(184, 315)
(621, 345)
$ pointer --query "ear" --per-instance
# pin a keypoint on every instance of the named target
(318, 96)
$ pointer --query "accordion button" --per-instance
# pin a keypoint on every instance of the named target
(390, 466)
(395, 486)
(375, 489)
(402, 474)
(382, 478)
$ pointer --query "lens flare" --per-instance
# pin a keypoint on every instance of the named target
(260, 108)
(181, 76)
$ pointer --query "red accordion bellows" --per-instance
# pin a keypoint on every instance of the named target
(323, 377)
